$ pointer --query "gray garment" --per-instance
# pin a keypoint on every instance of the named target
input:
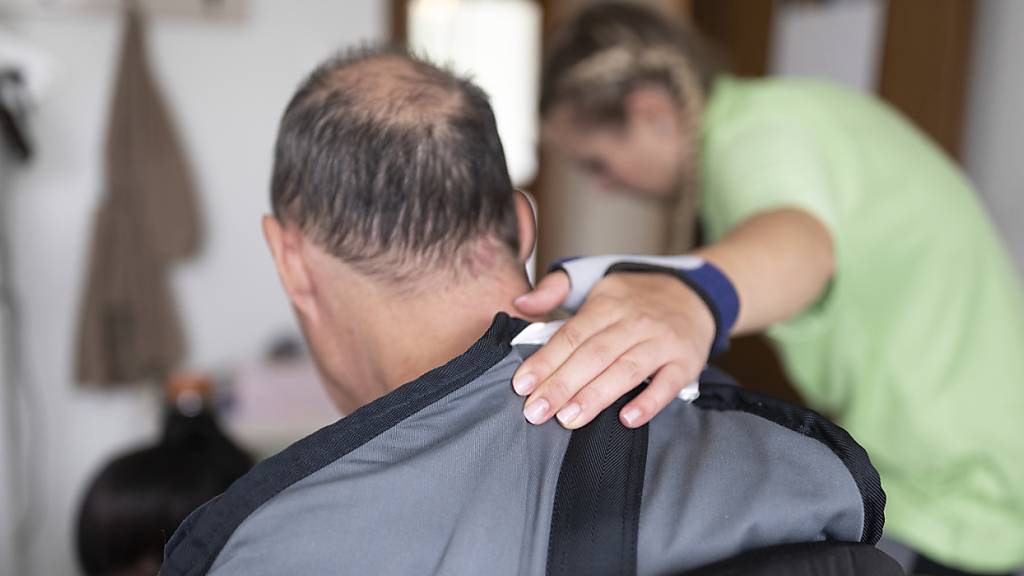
(719, 483)
(464, 485)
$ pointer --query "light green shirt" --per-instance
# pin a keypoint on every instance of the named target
(917, 346)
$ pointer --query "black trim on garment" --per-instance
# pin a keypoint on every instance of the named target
(194, 548)
(813, 425)
(595, 521)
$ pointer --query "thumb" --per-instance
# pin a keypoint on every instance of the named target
(546, 296)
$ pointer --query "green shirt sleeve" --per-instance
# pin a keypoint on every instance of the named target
(766, 165)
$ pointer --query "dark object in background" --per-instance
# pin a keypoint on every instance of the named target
(806, 559)
(138, 500)
(285, 348)
(13, 113)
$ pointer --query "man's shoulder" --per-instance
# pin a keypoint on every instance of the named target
(737, 470)
(322, 466)
(199, 540)
(788, 420)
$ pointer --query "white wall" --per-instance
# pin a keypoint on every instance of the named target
(838, 41)
(226, 83)
(994, 135)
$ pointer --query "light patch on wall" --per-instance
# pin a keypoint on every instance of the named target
(838, 41)
(497, 43)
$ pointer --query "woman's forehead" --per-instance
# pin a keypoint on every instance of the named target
(564, 129)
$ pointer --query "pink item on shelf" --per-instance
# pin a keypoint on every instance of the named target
(276, 403)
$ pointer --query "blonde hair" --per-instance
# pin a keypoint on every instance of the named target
(609, 50)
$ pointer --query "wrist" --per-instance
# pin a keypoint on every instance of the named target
(700, 314)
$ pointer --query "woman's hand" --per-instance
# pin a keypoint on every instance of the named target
(632, 326)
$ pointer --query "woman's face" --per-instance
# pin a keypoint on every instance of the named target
(645, 155)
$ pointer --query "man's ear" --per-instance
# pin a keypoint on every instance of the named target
(286, 248)
(527, 218)
(652, 106)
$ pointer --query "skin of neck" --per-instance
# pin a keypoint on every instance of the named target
(370, 335)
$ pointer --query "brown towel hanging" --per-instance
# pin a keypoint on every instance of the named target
(129, 329)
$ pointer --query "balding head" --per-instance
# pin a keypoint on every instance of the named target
(397, 235)
(392, 165)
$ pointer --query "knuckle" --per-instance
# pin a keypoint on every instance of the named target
(632, 369)
(600, 351)
(607, 395)
(592, 400)
(560, 390)
(665, 388)
(665, 374)
(601, 303)
(673, 383)
(643, 319)
(536, 365)
(646, 404)
(572, 336)
(648, 324)
(683, 368)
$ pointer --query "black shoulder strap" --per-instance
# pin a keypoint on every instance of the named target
(596, 513)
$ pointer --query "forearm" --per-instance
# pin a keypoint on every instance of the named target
(780, 262)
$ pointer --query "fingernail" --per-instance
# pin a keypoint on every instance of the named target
(535, 412)
(524, 384)
(631, 416)
(569, 413)
(521, 300)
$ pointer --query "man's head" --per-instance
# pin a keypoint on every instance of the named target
(392, 203)
(622, 91)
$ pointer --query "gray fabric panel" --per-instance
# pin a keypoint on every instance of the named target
(718, 483)
(462, 487)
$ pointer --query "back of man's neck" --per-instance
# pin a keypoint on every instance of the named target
(407, 336)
